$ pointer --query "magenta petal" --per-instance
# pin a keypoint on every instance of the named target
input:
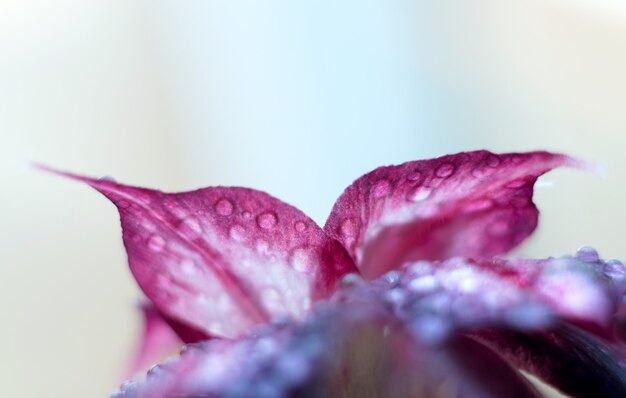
(485, 374)
(221, 260)
(571, 360)
(472, 204)
(157, 340)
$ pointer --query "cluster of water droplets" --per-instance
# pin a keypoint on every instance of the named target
(432, 300)
(271, 362)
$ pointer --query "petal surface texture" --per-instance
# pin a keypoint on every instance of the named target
(472, 204)
(222, 259)
(412, 332)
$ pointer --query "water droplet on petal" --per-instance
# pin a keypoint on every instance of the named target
(493, 161)
(122, 204)
(238, 233)
(615, 268)
(395, 296)
(479, 204)
(303, 259)
(156, 243)
(299, 226)
(262, 246)
(267, 220)
(191, 225)
(351, 279)
(188, 267)
(518, 183)
(498, 229)
(224, 207)
(347, 228)
(414, 176)
(392, 277)
(107, 179)
(271, 298)
(587, 254)
(418, 194)
(445, 170)
(431, 329)
(246, 215)
(424, 284)
(381, 188)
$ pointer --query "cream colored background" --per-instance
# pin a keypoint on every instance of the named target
(294, 99)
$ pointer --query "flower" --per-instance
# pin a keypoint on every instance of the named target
(401, 294)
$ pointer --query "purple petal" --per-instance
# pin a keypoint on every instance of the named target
(221, 260)
(473, 204)
(515, 293)
(568, 358)
(400, 335)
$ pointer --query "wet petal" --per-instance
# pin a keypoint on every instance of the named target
(221, 260)
(409, 333)
(568, 358)
(523, 294)
(473, 204)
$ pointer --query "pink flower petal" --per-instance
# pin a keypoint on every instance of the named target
(473, 204)
(221, 260)
(157, 341)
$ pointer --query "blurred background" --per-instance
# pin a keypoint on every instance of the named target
(295, 98)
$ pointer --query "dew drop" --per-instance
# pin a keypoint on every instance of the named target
(615, 268)
(381, 188)
(414, 176)
(587, 254)
(267, 220)
(246, 215)
(224, 207)
(479, 204)
(107, 179)
(155, 371)
(431, 329)
(191, 225)
(493, 161)
(302, 259)
(237, 232)
(445, 170)
(395, 296)
(262, 246)
(271, 298)
(347, 228)
(122, 204)
(418, 194)
(424, 284)
(480, 172)
(392, 277)
(518, 183)
(156, 243)
(351, 279)
(188, 267)
(299, 226)
(498, 229)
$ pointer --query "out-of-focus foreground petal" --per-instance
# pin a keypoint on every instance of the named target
(222, 260)
(472, 204)
(411, 332)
